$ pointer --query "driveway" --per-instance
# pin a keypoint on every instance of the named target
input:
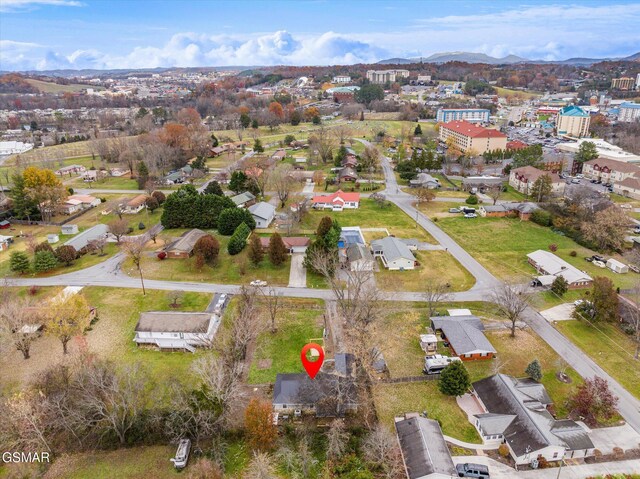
(606, 438)
(308, 188)
(297, 273)
(562, 312)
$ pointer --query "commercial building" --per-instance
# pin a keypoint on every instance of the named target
(469, 137)
(472, 115)
(341, 79)
(629, 112)
(14, 147)
(623, 83)
(573, 121)
(551, 266)
(384, 76)
(629, 187)
(604, 149)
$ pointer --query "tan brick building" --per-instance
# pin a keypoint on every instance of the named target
(469, 137)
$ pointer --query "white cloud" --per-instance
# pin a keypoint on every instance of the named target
(22, 5)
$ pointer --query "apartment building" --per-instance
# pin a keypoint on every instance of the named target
(573, 121)
(610, 171)
(384, 76)
(469, 137)
(629, 112)
(472, 115)
(523, 178)
(623, 83)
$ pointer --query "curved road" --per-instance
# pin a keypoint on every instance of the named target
(109, 274)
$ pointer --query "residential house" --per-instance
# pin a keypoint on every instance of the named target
(470, 137)
(88, 201)
(176, 330)
(482, 183)
(610, 171)
(551, 266)
(117, 172)
(244, 200)
(83, 239)
(70, 170)
(523, 178)
(263, 213)
(279, 154)
(465, 336)
(135, 205)
(336, 201)
(629, 187)
(347, 174)
(217, 151)
(328, 395)
(395, 255)
(425, 453)
(70, 206)
(425, 180)
(294, 244)
(521, 210)
(359, 258)
(183, 246)
(4, 225)
(94, 175)
(515, 412)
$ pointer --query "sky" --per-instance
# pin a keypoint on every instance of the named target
(104, 34)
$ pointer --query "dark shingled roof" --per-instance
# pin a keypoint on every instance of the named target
(424, 450)
(464, 333)
(533, 426)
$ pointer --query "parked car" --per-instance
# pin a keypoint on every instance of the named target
(597, 257)
(593, 180)
(589, 259)
(470, 215)
(579, 175)
(258, 282)
(634, 268)
(636, 230)
(469, 469)
(182, 454)
(599, 264)
(454, 210)
(575, 181)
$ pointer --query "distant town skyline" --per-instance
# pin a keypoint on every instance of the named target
(71, 34)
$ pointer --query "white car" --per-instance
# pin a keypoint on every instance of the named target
(470, 215)
(258, 282)
(599, 264)
(182, 454)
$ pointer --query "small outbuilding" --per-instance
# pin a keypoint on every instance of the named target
(616, 266)
(52, 238)
(69, 229)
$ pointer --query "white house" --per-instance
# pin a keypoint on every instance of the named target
(551, 266)
(394, 253)
(336, 201)
(176, 329)
(135, 205)
(263, 213)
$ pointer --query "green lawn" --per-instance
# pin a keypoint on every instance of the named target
(299, 321)
(110, 182)
(501, 245)
(229, 269)
(434, 266)
(370, 215)
(393, 400)
(607, 345)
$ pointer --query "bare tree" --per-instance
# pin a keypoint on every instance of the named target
(282, 182)
(24, 422)
(381, 448)
(118, 228)
(273, 307)
(337, 439)
(175, 297)
(631, 314)
(494, 193)
(322, 142)
(436, 292)
(261, 467)
(246, 327)
(17, 319)
(342, 132)
(134, 249)
(98, 244)
(512, 303)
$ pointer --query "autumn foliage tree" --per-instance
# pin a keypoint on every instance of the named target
(593, 401)
(67, 317)
(256, 253)
(208, 248)
(277, 250)
(259, 427)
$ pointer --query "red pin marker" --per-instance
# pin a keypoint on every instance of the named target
(312, 367)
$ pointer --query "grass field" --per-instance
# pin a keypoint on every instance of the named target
(229, 269)
(299, 321)
(110, 182)
(370, 215)
(50, 87)
(434, 266)
(501, 245)
(609, 347)
(525, 95)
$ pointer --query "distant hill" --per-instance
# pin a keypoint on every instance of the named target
(469, 57)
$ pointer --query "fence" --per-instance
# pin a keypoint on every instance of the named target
(411, 379)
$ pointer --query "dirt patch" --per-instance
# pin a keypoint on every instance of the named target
(265, 363)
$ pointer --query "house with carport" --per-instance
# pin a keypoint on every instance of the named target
(551, 266)
(465, 336)
(394, 253)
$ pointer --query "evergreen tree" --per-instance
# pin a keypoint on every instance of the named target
(238, 181)
(559, 286)
(213, 188)
(256, 252)
(245, 121)
(23, 206)
(257, 146)
(534, 370)
(19, 262)
(454, 379)
(44, 261)
(587, 151)
(143, 175)
(238, 239)
(254, 124)
(417, 131)
(277, 250)
(214, 140)
(230, 218)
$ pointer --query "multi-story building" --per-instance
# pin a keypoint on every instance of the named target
(638, 82)
(342, 79)
(469, 137)
(573, 121)
(472, 115)
(384, 76)
(523, 178)
(609, 171)
(623, 83)
(629, 112)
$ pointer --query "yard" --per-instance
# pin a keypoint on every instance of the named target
(370, 215)
(110, 182)
(229, 269)
(606, 344)
(299, 321)
(110, 337)
(434, 266)
(501, 245)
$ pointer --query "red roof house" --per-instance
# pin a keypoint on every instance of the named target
(337, 201)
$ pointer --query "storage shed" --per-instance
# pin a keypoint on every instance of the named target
(616, 266)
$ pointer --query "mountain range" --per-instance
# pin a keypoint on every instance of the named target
(470, 57)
